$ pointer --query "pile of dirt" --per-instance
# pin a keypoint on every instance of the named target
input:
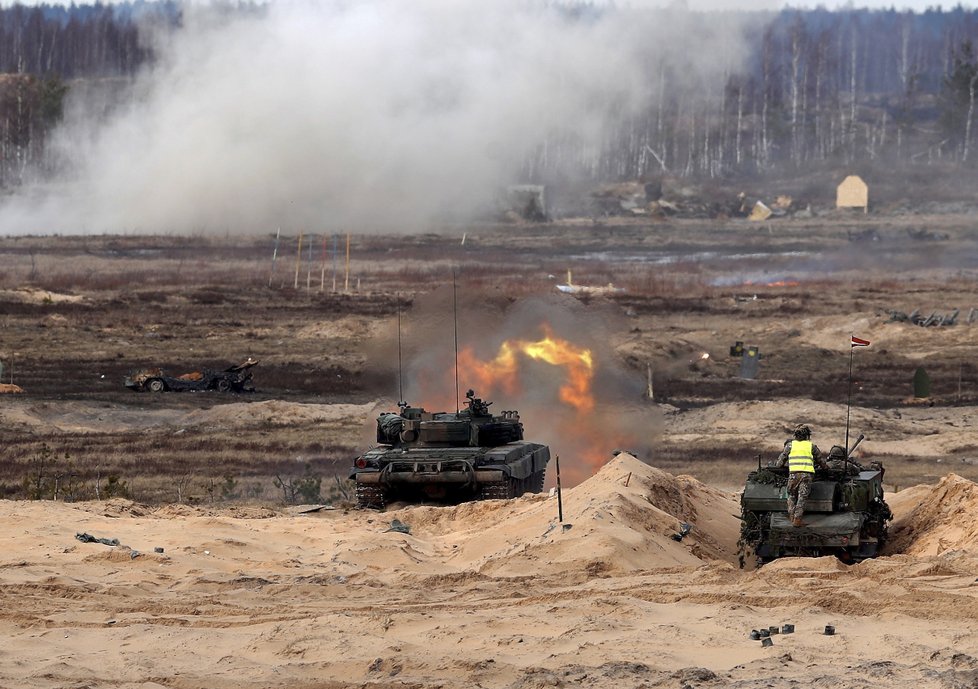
(942, 517)
(339, 328)
(629, 516)
(32, 295)
(763, 425)
(274, 413)
(10, 388)
(82, 416)
(832, 333)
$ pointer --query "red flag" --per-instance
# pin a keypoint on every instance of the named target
(858, 341)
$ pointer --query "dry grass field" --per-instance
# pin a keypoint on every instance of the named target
(79, 313)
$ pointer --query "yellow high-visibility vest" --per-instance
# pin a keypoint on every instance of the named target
(801, 458)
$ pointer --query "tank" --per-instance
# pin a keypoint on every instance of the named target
(449, 457)
(845, 515)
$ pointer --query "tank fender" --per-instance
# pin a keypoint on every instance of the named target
(529, 459)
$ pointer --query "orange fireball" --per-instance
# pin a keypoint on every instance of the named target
(502, 371)
(577, 430)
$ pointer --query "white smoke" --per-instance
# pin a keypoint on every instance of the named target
(359, 115)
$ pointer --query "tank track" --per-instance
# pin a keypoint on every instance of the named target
(497, 490)
(370, 497)
(510, 488)
(536, 481)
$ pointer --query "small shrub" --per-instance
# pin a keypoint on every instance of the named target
(115, 487)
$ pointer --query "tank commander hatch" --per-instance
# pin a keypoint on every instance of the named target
(802, 456)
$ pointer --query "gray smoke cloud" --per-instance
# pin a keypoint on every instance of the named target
(376, 114)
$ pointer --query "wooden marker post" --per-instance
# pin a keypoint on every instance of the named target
(336, 241)
(560, 503)
(271, 274)
(322, 275)
(298, 262)
(309, 266)
(346, 279)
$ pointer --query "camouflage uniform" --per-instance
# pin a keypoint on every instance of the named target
(838, 461)
(799, 482)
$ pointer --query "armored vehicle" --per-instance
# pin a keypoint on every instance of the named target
(449, 457)
(232, 379)
(845, 515)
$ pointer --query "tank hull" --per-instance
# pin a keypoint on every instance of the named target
(449, 474)
(845, 516)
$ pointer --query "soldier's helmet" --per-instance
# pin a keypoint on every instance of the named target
(837, 453)
(802, 432)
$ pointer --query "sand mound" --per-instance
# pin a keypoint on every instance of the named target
(763, 424)
(115, 507)
(608, 525)
(945, 517)
(274, 412)
(10, 388)
(345, 327)
(89, 417)
(32, 295)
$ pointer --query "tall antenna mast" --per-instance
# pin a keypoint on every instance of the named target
(400, 371)
(455, 319)
(849, 393)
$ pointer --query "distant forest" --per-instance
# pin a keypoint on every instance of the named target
(853, 87)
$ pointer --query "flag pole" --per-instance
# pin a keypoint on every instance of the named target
(849, 393)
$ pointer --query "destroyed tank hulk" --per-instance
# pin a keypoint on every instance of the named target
(845, 514)
(449, 457)
(237, 378)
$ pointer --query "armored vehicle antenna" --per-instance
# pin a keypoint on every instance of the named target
(455, 320)
(400, 373)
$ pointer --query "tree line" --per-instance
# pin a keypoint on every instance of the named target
(43, 49)
(79, 40)
(819, 87)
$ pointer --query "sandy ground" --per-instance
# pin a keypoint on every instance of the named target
(84, 417)
(491, 594)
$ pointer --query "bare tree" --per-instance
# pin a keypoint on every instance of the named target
(182, 482)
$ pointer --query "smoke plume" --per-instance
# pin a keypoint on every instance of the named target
(377, 114)
(584, 436)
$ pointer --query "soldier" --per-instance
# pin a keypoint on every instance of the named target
(801, 456)
(839, 461)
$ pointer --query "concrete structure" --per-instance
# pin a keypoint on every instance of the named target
(852, 193)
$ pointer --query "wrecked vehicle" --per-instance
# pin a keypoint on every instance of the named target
(232, 379)
(449, 457)
(845, 514)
